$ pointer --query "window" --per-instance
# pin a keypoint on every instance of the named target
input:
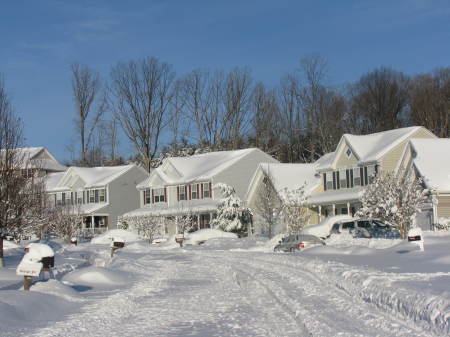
(371, 172)
(348, 225)
(158, 195)
(194, 191)
(79, 197)
(348, 153)
(91, 196)
(182, 192)
(96, 196)
(102, 195)
(63, 198)
(206, 191)
(58, 199)
(343, 179)
(357, 176)
(329, 181)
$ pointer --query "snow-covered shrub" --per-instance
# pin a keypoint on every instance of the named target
(147, 226)
(293, 209)
(443, 224)
(394, 198)
(231, 215)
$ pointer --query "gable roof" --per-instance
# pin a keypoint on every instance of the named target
(432, 161)
(29, 155)
(95, 176)
(201, 166)
(325, 161)
(371, 147)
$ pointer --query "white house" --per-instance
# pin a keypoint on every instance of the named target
(185, 185)
(283, 177)
(100, 194)
(353, 164)
(429, 159)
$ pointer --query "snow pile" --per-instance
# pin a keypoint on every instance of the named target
(95, 277)
(38, 251)
(57, 288)
(10, 245)
(203, 235)
(107, 237)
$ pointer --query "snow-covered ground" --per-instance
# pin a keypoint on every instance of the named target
(235, 287)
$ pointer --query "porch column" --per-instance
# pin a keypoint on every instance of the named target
(210, 219)
(348, 208)
(92, 224)
(176, 224)
(320, 213)
(334, 209)
(198, 221)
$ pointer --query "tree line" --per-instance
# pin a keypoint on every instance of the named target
(297, 120)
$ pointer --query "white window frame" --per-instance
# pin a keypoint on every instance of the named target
(371, 172)
(102, 193)
(182, 191)
(206, 191)
(329, 180)
(158, 195)
(194, 190)
(342, 178)
(357, 175)
(91, 196)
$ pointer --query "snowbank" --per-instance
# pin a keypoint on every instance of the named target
(347, 240)
(96, 277)
(205, 234)
(107, 237)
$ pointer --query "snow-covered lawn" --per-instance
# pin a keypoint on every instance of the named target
(235, 287)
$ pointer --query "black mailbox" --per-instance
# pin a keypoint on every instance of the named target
(118, 244)
(48, 262)
(414, 238)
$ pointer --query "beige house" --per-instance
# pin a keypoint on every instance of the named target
(429, 159)
(345, 172)
(185, 186)
(99, 194)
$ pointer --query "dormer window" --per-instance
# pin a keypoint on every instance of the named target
(159, 195)
(349, 152)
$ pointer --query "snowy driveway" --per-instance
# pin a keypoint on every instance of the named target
(224, 293)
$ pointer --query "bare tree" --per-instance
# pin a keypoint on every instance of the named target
(141, 93)
(430, 101)
(379, 100)
(149, 226)
(85, 88)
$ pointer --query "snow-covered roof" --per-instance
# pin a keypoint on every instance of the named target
(198, 167)
(96, 176)
(52, 180)
(431, 158)
(32, 159)
(371, 147)
(292, 176)
(336, 196)
(86, 209)
(325, 161)
(182, 207)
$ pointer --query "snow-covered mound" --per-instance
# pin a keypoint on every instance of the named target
(57, 288)
(96, 276)
(107, 237)
(10, 245)
(347, 240)
(203, 235)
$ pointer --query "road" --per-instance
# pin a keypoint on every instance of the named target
(224, 293)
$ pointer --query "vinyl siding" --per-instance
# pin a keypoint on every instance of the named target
(344, 162)
(443, 207)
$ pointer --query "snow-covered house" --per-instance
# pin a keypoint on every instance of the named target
(284, 177)
(429, 159)
(100, 194)
(185, 185)
(353, 164)
(38, 161)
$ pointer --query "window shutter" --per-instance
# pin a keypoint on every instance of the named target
(324, 181)
(198, 191)
(190, 190)
(153, 197)
(338, 181)
(143, 193)
(178, 193)
(347, 175)
(366, 178)
(361, 175)
(201, 191)
(210, 190)
(165, 194)
(351, 178)
(334, 180)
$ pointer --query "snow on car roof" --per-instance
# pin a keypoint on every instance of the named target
(432, 161)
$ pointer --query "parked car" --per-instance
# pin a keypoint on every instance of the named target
(295, 242)
(323, 228)
(366, 228)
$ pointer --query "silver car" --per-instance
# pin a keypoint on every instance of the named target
(295, 242)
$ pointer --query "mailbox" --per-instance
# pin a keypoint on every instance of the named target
(415, 236)
(74, 241)
(116, 243)
(38, 258)
(179, 239)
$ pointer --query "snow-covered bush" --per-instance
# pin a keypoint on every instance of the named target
(443, 224)
(293, 210)
(231, 215)
(394, 198)
(147, 226)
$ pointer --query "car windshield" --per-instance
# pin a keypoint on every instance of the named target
(364, 224)
(347, 225)
(335, 227)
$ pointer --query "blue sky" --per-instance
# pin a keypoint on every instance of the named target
(40, 39)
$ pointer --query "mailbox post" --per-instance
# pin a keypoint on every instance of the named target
(179, 239)
(116, 244)
(415, 236)
(38, 258)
